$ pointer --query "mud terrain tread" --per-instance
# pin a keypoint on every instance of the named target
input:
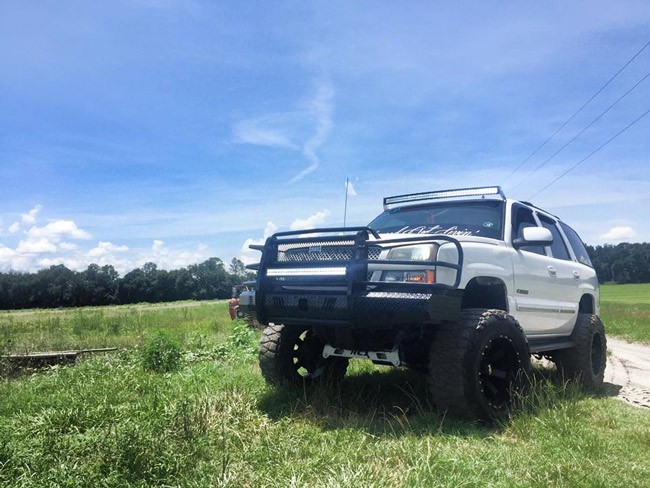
(270, 345)
(276, 360)
(576, 363)
(452, 354)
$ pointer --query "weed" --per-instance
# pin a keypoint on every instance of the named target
(161, 354)
(6, 340)
(242, 342)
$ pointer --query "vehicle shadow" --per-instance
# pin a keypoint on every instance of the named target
(611, 389)
(381, 402)
(397, 402)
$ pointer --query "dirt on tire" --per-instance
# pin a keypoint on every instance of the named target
(628, 370)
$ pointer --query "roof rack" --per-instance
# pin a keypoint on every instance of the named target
(482, 191)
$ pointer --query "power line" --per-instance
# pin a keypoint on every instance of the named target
(578, 111)
(592, 153)
(585, 128)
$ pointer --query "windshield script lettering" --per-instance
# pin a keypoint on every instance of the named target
(436, 229)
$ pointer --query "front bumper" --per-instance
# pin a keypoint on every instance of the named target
(366, 309)
(339, 291)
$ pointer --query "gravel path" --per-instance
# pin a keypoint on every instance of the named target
(628, 368)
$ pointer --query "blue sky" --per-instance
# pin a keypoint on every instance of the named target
(172, 131)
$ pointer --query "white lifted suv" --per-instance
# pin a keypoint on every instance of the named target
(462, 284)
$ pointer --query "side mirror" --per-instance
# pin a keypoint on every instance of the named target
(533, 236)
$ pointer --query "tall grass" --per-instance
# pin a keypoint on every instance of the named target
(94, 327)
(213, 422)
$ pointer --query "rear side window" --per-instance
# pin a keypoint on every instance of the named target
(577, 245)
(558, 248)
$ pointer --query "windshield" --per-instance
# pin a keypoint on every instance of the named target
(483, 219)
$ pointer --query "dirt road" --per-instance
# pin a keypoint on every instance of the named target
(628, 367)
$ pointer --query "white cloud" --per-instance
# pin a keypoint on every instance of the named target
(249, 256)
(6, 254)
(106, 253)
(621, 233)
(310, 222)
(62, 242)
(30, 217)
(57, 230)
(158, 246)
(68, 246)
(14, 228)
(36, 246)
(167, 258)
(47, 239)
(106, 248)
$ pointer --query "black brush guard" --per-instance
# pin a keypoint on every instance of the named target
(351, 298)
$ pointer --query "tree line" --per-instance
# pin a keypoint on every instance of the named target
(622, 263)
(58, 286)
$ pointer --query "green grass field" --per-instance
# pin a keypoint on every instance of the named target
(625, 310)
(107, 421)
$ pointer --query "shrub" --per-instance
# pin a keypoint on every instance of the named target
(161, 354)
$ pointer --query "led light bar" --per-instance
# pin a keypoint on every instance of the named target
(332, 271)
(434, 195)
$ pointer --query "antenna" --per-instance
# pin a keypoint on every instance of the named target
(345, 209)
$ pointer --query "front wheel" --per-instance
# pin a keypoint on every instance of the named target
(478, 364)
(294, 354)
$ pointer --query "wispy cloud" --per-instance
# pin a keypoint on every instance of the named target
(263, 131)
(322, 109)
(282, 129)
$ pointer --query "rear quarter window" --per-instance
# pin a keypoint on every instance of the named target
(577, 245)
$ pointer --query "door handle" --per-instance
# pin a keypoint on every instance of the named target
(552, 271)
(576, 275)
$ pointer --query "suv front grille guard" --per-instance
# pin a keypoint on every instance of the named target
(336, 270)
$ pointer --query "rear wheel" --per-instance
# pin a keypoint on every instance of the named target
(478, 364)
(294, 354)
(585, 361)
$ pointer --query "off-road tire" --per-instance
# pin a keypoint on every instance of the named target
(478, 365)
(585, 362)
(293, 354)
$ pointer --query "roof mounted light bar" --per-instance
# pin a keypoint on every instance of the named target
(435, 195)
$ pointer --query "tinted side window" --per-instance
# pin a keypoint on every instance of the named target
(523, 217)
(558, 248)
(577, 245)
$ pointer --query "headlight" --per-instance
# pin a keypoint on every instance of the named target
(422, 252)
(427, 276)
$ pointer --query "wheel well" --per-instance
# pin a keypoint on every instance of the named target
(485, 292)
(587, 304)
